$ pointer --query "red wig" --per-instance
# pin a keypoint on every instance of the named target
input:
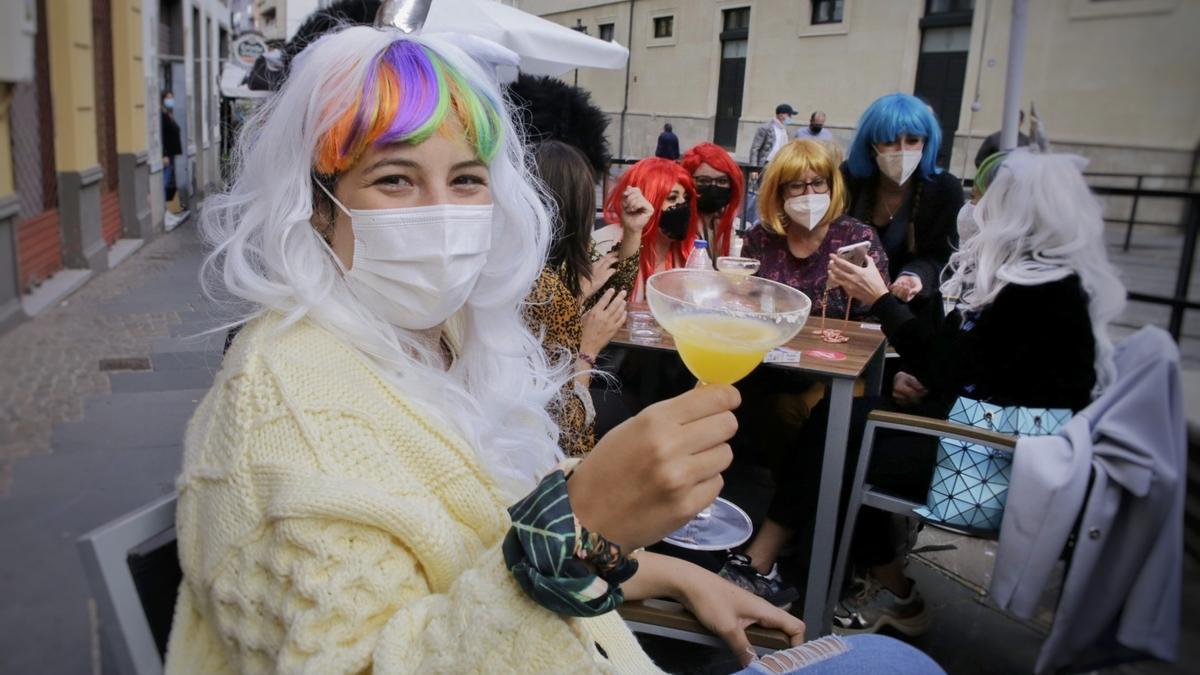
(655, 177)
(719, 159)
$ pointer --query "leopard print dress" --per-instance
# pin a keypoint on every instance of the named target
(553, 313)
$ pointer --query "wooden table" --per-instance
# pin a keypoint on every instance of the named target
(669, 619)
(863, 357)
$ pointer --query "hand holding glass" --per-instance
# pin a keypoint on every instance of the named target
(723, 325)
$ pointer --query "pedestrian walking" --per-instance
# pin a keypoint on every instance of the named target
(771, 136)
(668, 144)
(815, 129)
(172, 147)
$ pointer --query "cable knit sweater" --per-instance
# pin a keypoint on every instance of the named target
(326, 526)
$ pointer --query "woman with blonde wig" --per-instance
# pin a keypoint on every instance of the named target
(802, 201)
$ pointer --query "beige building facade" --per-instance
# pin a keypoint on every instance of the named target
(81, 183)
(1115, 80)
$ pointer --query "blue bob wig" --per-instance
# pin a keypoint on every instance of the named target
(883, 122)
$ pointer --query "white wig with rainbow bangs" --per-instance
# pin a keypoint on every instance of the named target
(361, 86)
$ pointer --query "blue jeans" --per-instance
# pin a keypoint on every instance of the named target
(850, 655)
(169, 181)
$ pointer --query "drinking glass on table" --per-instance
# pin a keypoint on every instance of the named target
(642, 326)
(723, 325)
(744, 267)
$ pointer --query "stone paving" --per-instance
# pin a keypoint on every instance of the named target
(80, 446)
(51, 363)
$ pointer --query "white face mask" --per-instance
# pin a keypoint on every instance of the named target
(898, 165)
(415, 267)
(967, 227)
(807, 210)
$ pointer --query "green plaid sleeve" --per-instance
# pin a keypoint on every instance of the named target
(539, 552)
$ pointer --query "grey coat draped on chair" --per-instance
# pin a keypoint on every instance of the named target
(1122, 593)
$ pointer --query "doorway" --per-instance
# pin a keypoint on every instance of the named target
(942, 65)
(731, 82)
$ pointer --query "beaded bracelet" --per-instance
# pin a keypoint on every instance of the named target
(605, 556)
(588, 359)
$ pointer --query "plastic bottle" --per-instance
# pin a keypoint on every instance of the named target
(698, 259)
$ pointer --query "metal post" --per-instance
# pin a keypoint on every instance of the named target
(817, 612)
(1133, 214)
(1183, 281)
(1012, 80)
(625, 102)
(745, 197)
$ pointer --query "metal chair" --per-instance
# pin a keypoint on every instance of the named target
(862, 493)
(133, 570)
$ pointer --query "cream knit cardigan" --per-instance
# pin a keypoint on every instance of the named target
(326, 526)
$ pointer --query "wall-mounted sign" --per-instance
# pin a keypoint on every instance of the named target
(247, 48)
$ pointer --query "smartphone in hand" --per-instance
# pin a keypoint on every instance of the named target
(855, 253)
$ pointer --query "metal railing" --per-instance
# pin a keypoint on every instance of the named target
(1179, 302)
(1139, 181)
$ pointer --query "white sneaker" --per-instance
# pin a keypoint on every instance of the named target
(172, 220)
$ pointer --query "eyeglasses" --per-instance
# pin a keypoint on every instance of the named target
(707, 181)
(817, 186)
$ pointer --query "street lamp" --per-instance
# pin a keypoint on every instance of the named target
(579, 28)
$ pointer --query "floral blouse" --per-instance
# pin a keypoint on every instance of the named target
(554, 314)
(809, 275)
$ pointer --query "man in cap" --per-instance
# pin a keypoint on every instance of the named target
(771, 136)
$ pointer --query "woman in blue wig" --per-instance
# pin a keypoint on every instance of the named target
(895, 186)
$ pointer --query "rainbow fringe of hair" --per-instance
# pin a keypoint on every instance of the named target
(406, 96)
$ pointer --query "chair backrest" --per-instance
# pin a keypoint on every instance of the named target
(134, 574)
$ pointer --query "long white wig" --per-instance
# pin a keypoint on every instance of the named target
(268, 258)
(1038, 222)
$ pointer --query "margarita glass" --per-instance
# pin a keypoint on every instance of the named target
(723, 325)
(740, 266)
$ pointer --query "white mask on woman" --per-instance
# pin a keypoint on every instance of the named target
(898, 165)
(807, 210)
(967, 227)
(415, 267)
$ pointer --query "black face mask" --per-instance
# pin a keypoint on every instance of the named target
(815, 128)
(674, 221)
(713, 198)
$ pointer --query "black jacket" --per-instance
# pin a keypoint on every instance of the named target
(937, 201)
(1033, 346)
(668, 146)
(170, 137)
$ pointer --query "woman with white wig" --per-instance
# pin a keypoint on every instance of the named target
(344, 504)
(1033, 295)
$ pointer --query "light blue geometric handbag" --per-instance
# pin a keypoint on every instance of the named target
(970, 481)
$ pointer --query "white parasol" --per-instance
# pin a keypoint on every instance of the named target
(545, 48)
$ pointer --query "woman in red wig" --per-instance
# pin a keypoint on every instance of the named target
(667, 189)
(719, 189)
